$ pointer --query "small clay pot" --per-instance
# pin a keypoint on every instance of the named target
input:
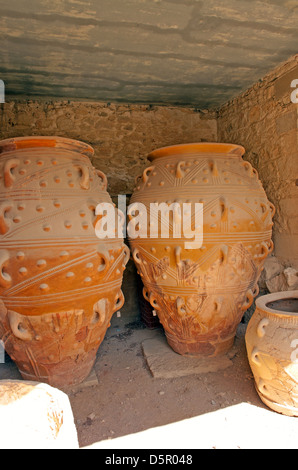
(272, 348)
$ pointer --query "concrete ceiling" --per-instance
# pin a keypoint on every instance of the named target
(188, 52)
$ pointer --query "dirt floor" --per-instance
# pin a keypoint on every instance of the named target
(124, 398)
(128, 399)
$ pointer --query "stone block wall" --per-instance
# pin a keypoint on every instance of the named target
(122, 135)
(264, 120)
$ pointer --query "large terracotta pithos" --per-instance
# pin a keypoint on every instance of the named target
(59, 283)
(272, 348)
(201, 294)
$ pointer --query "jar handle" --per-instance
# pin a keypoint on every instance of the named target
(15, 321)
(103, 178)
(145, 294)
(119, 301)
(5, 278)
(249, 167)
(153, 301)
(265, 208)
(255, 357)
(135, 255)
(181, 306)
(126, 252)
(249, 300)
(145, 173)
(85, 179)
(99, 313)
(265, 251)
(4, 223)
(272, 208)
(261, 327)
(8, 176)
(224, 209)
(179, 172)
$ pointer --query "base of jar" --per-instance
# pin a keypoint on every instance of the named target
(279, 408)
(65, 374)
(200, 348)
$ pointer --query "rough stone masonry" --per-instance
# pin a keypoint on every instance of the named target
(264, 120)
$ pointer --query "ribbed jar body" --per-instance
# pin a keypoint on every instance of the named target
(59, 283)
(272, 349)
(201, 291)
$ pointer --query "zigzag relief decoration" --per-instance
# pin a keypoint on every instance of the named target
(223, 269)
(59, 283)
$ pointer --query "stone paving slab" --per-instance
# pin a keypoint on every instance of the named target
(164, 363)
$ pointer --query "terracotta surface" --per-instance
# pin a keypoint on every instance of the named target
(200, 295)
(272, 348)
(59, 283)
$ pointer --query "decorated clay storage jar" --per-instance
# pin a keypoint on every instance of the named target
(272, 348)
(59, 283)
(201, 294)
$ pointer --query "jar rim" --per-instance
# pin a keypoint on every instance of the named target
(196, 148)
(20, 143)
(263, 302)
